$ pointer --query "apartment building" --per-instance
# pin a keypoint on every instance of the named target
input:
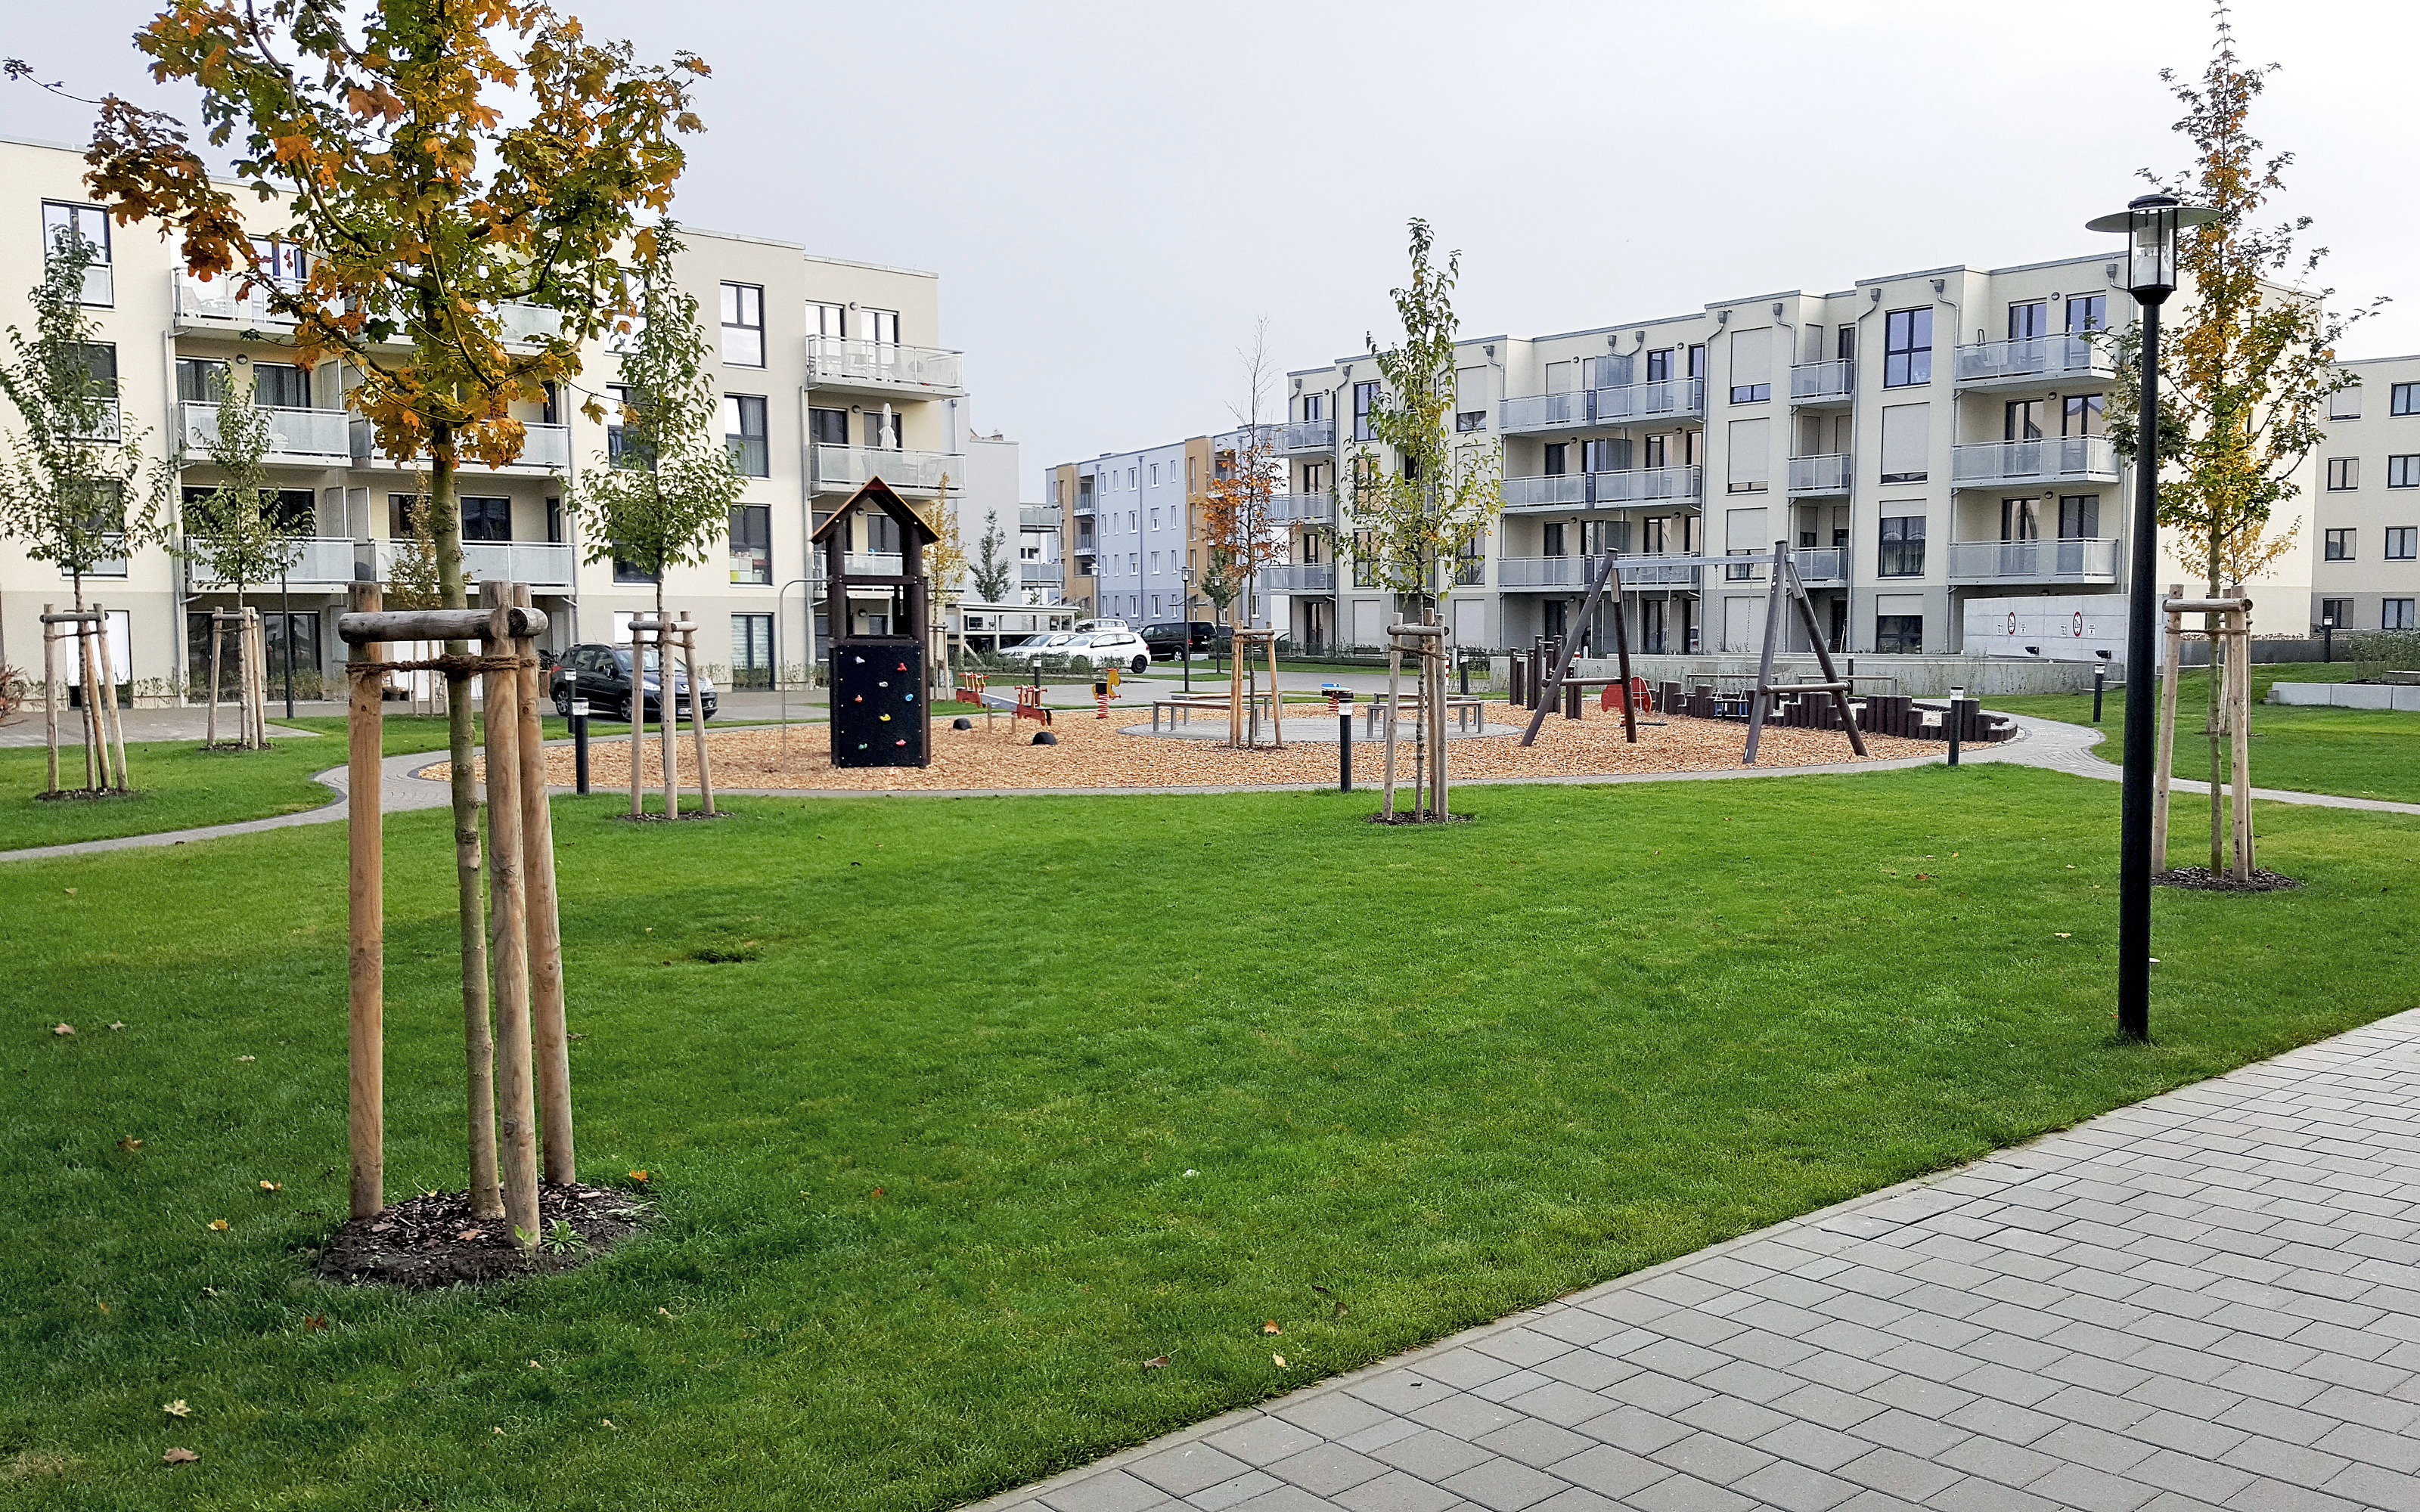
(1923, 440)
(2367, 504)
(1132, 531)
(831, 372)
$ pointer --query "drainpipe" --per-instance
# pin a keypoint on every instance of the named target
(1873, 302)
(174, 431)
(1941, 293)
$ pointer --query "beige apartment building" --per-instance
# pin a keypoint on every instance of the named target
(831, 372)
(2367, 502)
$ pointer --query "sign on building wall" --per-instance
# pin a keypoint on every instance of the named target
(2062, 630)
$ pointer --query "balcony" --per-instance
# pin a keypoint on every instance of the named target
(540, 564)
(214, 305)
(316, 563)
(1560, 490)
(1549, 573)
(1664, 399)
(2051, 460)
(1302, 509)
(296, 437)
(2091, 560)
(1821, 567)
(1300, 577)
(1813, 477)
(1038, 516)
(846, 468)
(1307, 436)
(851, 364)
(1040, 574)
(1645, 485)
(2032, 361)
(1087, 505)
(546, 451)
(1823, 383)
(1526, 414)
(526, 325)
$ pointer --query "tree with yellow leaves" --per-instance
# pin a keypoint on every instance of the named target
(1238, 524)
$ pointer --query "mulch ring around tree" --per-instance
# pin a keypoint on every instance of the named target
(433, 1240)
(2202, 879)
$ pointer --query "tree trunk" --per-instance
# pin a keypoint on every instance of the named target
(479, 1027)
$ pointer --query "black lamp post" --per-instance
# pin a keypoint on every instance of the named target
(2149, 224)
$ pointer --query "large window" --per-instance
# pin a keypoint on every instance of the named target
(2403, 472)
(283, 635)
(61, 223)
(620, 451)
(1752, 365)
(2345, 403)
(1903, 546)
(878, 325)
(1907, 442)
(487, 519)
(1365, 559)
(2343, 473)
(2396, 614)
(1898, 634)
(2079, 516)
(2088, 312)
(1659, 365)
(1365, 399)
(2028, 320)
(1470, 563)
(827, 427)
(1611, 455)
(2404, 399)
(281, 386)
(744, 431)
(752, 544)
(743, 325)
(827, 319)
(2021, 421)
(627, 572)
(2082, 415)
(1907, 347)
(2339, 546)
(2336, 612)
(2020, 520)
(752, 651)
(2402, 543)
(201, 379)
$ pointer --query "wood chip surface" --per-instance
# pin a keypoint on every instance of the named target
(1092, 753)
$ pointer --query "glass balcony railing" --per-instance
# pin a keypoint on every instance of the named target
(2037, 357)
(2086, 561)
(1307, 436)
(2051, 459)
(317, 562)
(1825, 474)
(841, 468)
(1300, 577)
(312, 437)
(836, 362)
(1815, 383)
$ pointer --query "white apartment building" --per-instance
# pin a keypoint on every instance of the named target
(1921, 440)
(1132, 531)
(831, 372)
(2367, 502)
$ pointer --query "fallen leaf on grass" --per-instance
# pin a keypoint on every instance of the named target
(210, 1291)
(179, 1457)
(1924, 877)
(609, 1422)
(312, 1325)
(638, 1176)
(663, 1312)
(468, 1234)
(176, 1408)
(119, 1024)
(130, 1144)
(2063, 935)
(273, 1186)
(218, 1226)
(1271, 1327)
(1158, 1362)
(1280, 1359)
(245, 1060)
(1342, 1309)
(63, 1029)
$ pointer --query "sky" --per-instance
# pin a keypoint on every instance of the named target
(1114, 196)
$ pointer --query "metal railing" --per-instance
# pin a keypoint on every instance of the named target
(2043, 357)
(1827, 473)
(1307, 436)
(852, 360)
(1639, 570)
(2092, 560)
(1040, 574)
(852, 467)
(1836, 380)
(1661, 399)
(1555, 490)
(2080, 459)
(1038, 516)
(544, 449)
(217, 301)
(1643, 485)
(1819, 566)
(1300, 577)
(294, 434)
(529, 324)
(316, 562)
(538, 563)
(1302, 508)
(1527, 412)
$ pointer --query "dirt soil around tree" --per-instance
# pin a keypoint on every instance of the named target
(1093, 753)
(433, 1240)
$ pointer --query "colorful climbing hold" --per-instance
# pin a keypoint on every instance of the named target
(910, 696)
(899, 742)
(885, 719)
(903, 666)
(859, 698)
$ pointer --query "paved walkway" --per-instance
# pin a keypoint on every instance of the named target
(2208, 1299)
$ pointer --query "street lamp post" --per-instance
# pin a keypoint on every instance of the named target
(2149, 224)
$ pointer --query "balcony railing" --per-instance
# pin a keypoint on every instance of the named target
(2036, 357)
(1581, 491)
(850, 361)
(1527, 412)
(1816, 382)
(2090, 561)
(529, 324)
(1560, 490)
(1300, 577)
(1041, 574)
(1302, 508)
(545, 449)
(1663, 399)
(1639, 570)
(295, 436)
(1038, 516)
(1828, 473)
(316, 562)
(1821, 565)
(2051, 460)
(1307, 436)
(216, 300)
(538, 563)
(841, 468)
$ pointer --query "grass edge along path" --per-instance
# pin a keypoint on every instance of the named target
(919, 1089)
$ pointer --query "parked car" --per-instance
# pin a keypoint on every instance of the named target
(1113, 648)
(1087, 626)
(1054, 644)
(1169, 639)
(601, 674)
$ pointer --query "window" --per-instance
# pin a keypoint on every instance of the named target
(1130, 478)
(876, 436)
(1846, 348)
(281, 386)
(2336, 612)
(752, 544)
(827, 427)
(1659, 366)
(64, 224)
(2402, 543)
(1155, 563)
(1612, 456)
(2028, 320)
(743, 325)
(744, 431)
(2403, 472)
(1902, 548)
(2079, 518)
(2082, 415)
(620, 451)
(2343, 473)
(878, 325)
(1550, 539)
(2339, 546)
(2345, 403)
(1467, 420)
(1314, 408)
(1470, 563)
(487, 519)
(752, 651)
(1698, 360)
(2021, 421)
(1557, 455)
(201, 379)
(2403, 399)
(1907, 442)
(1656, 451)
(1365, 399)
(827, 319)
(100, 376)
(554, 522)
(1365, 560)
(1907, 347)
(1898, 634)
(1749, 456)
(1155, 520)
(2395, 614)
(2088, 312)
(2020, 520)
(1752, 365)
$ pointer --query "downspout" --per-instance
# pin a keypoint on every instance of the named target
(1873, 302)
(174, 432)
(1941, 293)
(1790, 441)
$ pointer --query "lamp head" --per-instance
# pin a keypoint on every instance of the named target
(2151, 224)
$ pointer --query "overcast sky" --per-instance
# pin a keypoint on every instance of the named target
(1113, 194)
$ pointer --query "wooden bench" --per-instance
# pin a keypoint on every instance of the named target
(1468, 713)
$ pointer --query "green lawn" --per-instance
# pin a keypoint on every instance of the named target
(2360, 753)
(1022, 1092)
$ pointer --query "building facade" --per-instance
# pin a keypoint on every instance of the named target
(2366, 502)
(831, 372)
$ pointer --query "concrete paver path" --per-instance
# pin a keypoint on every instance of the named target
(2208, 1299)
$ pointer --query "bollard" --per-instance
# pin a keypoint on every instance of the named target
(1571, 701)
(1462, 662)
(1344, 743)
(2100, 681)
(580, 743)
(1951, 720)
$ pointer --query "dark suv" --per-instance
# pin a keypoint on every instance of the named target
(601, 674)
(1168, 640)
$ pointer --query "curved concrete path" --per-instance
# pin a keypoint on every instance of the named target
(2046, 743)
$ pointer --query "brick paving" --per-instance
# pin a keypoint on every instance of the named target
(2204, 1301)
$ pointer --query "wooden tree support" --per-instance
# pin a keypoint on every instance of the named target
(525, 927)
(2231, 645)
(665, 633)
(104, 737)
(1427, 640)
(1243, 699)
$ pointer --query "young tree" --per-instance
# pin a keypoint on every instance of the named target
(945, 571)
(233, 532)
(75, 487)
(1418, 512)
(2247, 367)
(992, 569)
(1219, 584)
(1237, 515)
(377, 139)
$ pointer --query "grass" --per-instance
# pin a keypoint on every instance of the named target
(2360, 753)
(927, 1164)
